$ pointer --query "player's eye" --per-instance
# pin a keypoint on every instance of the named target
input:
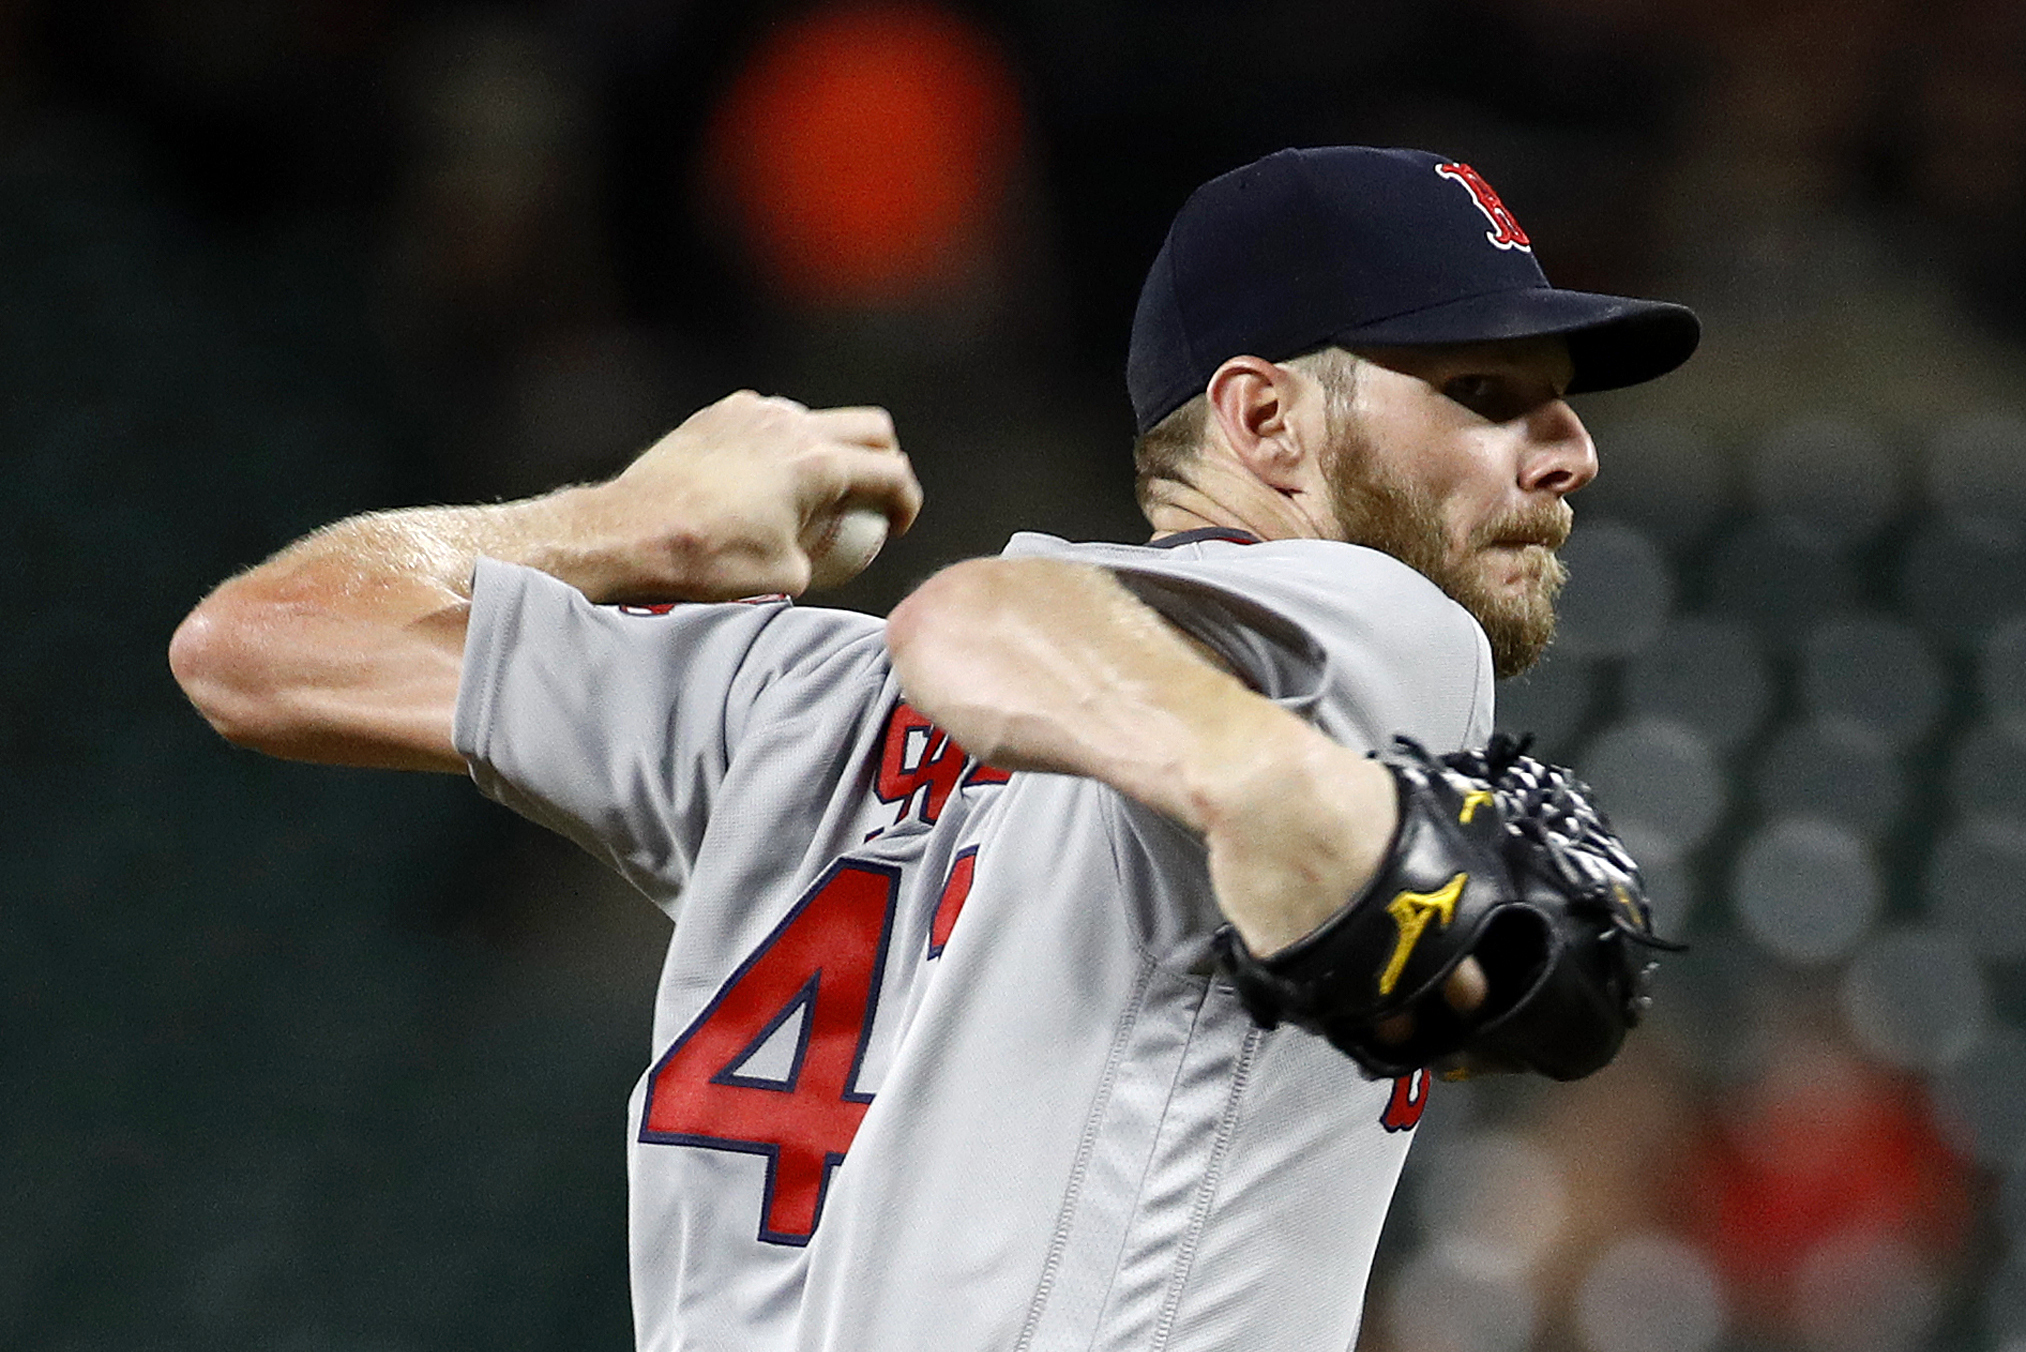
(1491, 397)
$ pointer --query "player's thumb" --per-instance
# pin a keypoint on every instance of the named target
(1466, 986)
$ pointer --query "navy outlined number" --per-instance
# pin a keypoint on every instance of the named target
(821, 966)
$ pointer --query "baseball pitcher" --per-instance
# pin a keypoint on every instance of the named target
(1061, 962)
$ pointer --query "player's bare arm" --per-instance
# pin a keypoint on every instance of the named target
(346, 646)
(1045, 665)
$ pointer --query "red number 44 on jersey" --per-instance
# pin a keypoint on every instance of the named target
(820, 971)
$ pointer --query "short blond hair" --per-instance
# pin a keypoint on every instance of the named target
(1167, 451)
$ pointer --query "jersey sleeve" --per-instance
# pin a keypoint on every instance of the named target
(615, 726)
(1349, 638)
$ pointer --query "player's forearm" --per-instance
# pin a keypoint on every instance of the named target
(1046, 665)
(346, 646)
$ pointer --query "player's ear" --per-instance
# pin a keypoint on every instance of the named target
(1252, 402)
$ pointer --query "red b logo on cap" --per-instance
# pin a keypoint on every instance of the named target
(1505, 232)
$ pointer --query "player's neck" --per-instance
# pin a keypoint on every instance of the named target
(1173, 507)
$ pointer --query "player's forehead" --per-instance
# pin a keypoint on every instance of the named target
(1542, 358)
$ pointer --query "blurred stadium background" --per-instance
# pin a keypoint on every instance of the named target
(311, 1060)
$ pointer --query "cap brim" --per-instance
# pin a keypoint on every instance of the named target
(1614, 341)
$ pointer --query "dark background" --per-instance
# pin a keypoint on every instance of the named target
(302, 1058)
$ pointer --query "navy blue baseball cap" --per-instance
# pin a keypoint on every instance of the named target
(1356, 247)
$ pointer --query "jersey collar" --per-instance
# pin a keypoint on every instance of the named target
(1202, 533)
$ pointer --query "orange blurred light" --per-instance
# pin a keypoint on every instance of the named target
(866, 151)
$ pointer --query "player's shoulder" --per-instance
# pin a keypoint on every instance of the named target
(520, 607)
(781, 636)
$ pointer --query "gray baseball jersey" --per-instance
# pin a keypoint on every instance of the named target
(939, 1061)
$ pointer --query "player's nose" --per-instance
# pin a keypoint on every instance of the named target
(1559, 456)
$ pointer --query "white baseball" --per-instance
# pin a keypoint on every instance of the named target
(854, 537)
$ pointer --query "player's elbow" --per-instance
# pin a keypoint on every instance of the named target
(915, 619)
(924, 631)
(964, 645)
(217, 657)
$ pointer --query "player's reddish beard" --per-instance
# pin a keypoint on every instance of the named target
(1379, 509)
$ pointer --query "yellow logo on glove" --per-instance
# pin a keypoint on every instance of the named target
(1472, 801)
(1411, 911)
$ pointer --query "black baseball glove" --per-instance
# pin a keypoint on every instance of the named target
(1499, 857)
